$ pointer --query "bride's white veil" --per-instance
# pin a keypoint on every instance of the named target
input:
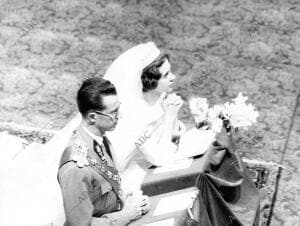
(125, 73)
(29, 186)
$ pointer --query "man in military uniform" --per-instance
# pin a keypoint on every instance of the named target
(89, 182)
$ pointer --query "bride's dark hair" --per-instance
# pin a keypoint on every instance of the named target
(151, 74)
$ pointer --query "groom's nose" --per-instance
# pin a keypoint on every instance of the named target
(119, 115)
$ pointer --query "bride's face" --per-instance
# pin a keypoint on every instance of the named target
(167, 77)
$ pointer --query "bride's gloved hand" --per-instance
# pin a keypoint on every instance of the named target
(171, 104)
(179, 129)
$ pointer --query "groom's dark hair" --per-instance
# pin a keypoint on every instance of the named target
(90, 93)
(151, 73)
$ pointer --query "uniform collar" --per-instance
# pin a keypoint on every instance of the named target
(98, 139)
(88, 137)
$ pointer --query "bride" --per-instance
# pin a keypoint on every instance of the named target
(148, 122)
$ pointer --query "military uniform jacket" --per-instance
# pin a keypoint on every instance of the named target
(90, 186)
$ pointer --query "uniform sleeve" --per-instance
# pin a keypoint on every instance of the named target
(76, 186)
(115, 219)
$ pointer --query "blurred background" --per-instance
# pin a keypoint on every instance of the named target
(218, 48)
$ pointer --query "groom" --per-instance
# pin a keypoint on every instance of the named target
(88, 179)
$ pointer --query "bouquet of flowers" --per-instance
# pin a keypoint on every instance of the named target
(235, 114)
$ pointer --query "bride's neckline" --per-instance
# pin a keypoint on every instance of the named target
(151, 98)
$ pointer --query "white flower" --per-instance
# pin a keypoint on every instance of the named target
(198, 104)
(199, 108)
(240, 99)
(226, 110)
(240, 114)
(200, 118)
(215, 111)
(216, 125)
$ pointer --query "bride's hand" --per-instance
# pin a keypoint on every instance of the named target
(179, 129)
(171, 105)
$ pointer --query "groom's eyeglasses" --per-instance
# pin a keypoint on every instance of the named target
(113, 116)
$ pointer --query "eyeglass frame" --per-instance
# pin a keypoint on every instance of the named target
(113, 118)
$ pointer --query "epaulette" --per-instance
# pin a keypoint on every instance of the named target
(77, 151)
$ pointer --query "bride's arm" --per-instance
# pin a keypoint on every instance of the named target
(159, 148)
(156, 149)
(178, 131)
(171, 105)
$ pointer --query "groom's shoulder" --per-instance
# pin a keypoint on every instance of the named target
(75, 151)
(76, 143)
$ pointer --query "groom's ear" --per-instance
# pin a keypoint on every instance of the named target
(91, 117)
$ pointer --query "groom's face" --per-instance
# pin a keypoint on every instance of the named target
(107, 119)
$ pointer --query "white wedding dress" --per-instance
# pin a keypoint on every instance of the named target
(136, 139)
(136, 116)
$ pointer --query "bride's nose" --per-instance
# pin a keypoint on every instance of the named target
(172, 77)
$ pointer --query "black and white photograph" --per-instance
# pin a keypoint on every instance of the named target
(150, 112)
